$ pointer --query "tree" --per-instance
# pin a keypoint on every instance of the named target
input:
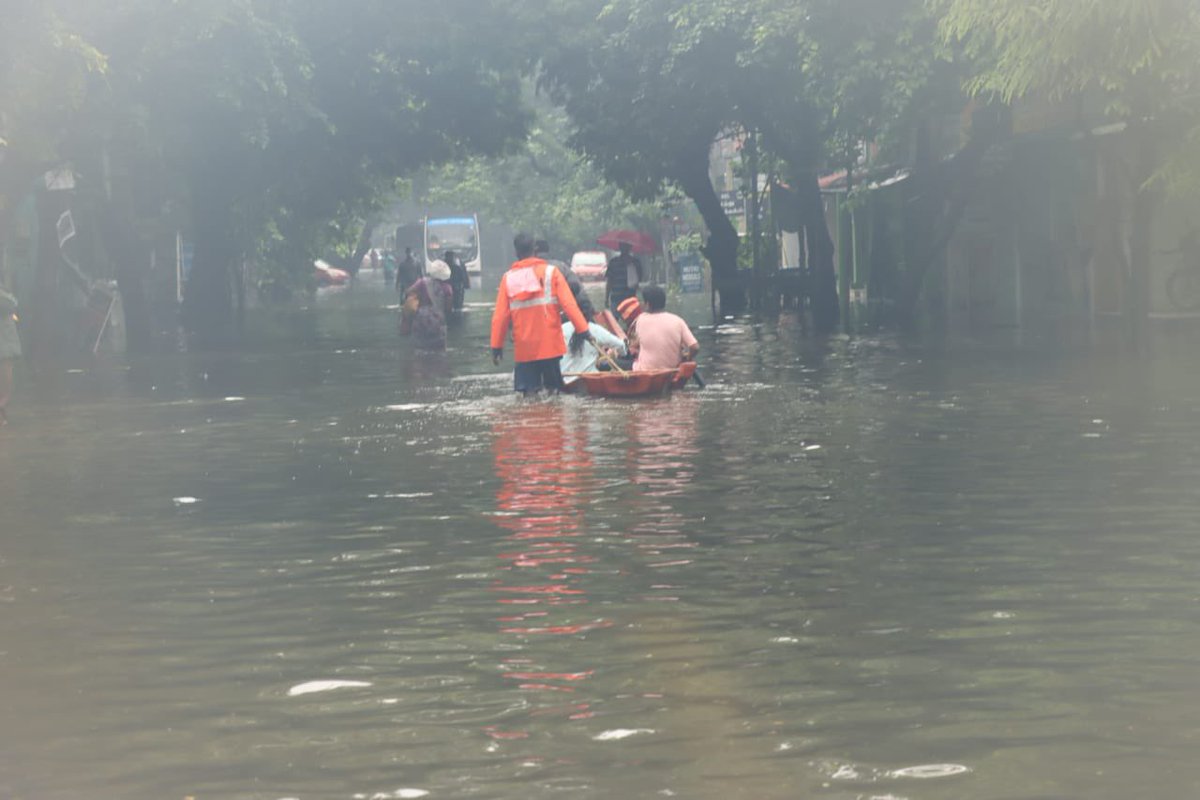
(44, 67)
(849, 73)
(306, 114)
(649, 85)
(647, 96)
(544, 187)
(251, 121)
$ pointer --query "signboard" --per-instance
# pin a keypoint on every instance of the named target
(732, 203)
(691, 273)
(60, 180)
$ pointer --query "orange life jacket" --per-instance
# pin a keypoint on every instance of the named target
(531, 307)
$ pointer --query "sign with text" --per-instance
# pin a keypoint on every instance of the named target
(732, 203)
(691, 273)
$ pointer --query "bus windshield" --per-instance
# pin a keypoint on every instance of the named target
(451, 233)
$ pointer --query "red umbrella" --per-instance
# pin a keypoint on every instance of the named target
(640, 241)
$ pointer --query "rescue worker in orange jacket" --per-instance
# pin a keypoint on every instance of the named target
(530, 297)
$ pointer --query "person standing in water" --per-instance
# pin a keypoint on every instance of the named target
(434, 298)
(622, 277)
(408, 271)
(528, 301)
(460, 281)
(389, 266)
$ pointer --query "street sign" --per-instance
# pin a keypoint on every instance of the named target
(732, 203)
(60, 180)
(691, 273)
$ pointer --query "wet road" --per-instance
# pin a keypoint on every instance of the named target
(324, 568)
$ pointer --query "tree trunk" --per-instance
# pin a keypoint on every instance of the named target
(208, 312)
(823, 296)
(923, 204)
(883, 291)
(362, 248)
(1141, 232)
(130, 260)
(722, 245)
(56, 314)
(939, 194)
(846, 248)
(801, 149)
(45, 323)
(758, 280)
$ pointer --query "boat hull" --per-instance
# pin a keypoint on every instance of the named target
(645, 383)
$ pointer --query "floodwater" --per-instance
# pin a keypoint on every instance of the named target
(323, 568)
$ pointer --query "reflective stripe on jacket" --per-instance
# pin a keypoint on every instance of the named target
(532, 315)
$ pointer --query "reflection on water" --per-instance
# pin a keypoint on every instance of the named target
(857, 569)
(545, 469)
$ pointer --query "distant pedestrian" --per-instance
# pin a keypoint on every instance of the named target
(528, 301)
(623, 276)
(408, 271)
(460, 281)
(426, 304)
(389, 267)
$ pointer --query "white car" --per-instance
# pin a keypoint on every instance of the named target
(590, 265)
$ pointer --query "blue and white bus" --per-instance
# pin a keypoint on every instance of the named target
(460, 234)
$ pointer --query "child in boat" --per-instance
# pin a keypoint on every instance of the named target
(582, 355)
(628, 310)
(664, 340)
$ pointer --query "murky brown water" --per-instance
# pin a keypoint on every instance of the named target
(860, 570)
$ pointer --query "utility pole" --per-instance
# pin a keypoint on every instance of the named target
(846, 245)
(753, 226)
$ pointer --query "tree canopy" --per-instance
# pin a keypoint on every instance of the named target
(281, 126)
(253, 121)
(544, 187)
(1137, 59)
(651, 84)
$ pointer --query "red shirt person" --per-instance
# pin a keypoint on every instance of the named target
(529, 300)
(664, 339)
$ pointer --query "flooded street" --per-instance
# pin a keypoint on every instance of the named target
(325, 568)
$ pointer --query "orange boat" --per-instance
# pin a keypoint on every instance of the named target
(646, 383)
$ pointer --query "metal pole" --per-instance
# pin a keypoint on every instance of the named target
(755, 262)
(846, 244)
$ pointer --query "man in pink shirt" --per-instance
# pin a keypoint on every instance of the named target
(664, 340)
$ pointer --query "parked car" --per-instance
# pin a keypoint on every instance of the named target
(590, 265)
(328, 275)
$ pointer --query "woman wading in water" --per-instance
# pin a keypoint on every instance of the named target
(426, 304)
